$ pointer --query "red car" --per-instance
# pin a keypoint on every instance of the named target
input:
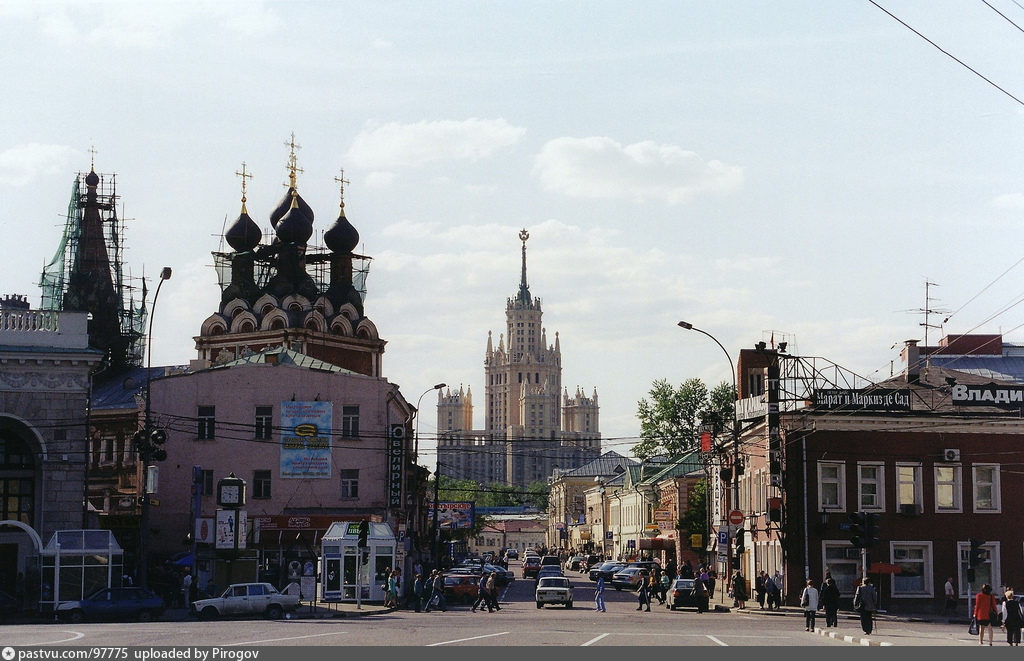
(531, 565)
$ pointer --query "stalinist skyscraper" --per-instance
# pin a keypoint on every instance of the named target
(531, 423)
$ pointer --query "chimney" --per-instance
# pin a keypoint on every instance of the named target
(911, 356)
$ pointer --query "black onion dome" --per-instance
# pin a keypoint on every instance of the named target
(92, 179)
(244, 234)
(294, 226)
(341, 237)
(285, 204)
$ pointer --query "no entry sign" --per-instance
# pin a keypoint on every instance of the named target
(735, 517)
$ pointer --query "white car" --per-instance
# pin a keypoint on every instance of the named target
(247, 599)
(554, 590)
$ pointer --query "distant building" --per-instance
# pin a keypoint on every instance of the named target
(532, 425)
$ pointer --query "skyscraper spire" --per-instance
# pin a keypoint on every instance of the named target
(524, 288)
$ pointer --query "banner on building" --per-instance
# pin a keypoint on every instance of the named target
(1008, 397)
(454, 515)
(306, 439)
(869, 399)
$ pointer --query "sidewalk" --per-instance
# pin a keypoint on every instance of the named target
(887, 631)
(320, 610)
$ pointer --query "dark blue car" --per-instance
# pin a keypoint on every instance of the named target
(113, 604)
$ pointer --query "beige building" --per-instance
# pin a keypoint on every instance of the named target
(532, 425)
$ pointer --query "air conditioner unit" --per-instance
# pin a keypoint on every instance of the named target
(951, 454)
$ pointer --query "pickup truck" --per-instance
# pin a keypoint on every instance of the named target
(242, 599)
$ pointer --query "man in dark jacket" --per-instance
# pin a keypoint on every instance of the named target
(865, 602)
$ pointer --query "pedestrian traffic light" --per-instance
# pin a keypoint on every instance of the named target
(364, 533)
(977, 554)
(738, 541)
(857, 529)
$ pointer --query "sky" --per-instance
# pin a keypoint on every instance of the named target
(787, 170)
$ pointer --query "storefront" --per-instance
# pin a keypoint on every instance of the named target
(346, 571)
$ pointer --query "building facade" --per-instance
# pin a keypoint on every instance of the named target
(532, 425)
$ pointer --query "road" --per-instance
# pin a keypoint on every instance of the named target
(518, 623)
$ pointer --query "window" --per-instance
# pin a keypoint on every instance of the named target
(947, 488)
(871, 494)
(986, 572)
(264, 422)
(908, 487)
(349, 421)
(349, 482)
(915, 576)
(207, 481)
(986, 488)
(206, 421)
(261, 484)
(842, 561)
(831, 485)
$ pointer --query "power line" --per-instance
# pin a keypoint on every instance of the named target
(947, 53)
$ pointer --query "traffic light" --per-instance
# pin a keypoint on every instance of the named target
(364, 533)
(775, 510)
(738, 541)
(870, 529)
(857, 529)
(977, 554)
(156, 442)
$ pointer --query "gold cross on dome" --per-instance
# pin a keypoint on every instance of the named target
(342, 181)
(244, 175)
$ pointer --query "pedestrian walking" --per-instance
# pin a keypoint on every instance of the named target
(599, 594)
(949, 608)
(1013, 618)
(492, 594)
(700, 591)
(865, 602)
(436, 592)
(809, 602)
(759, 590)
(482, 600)
(417, 593)
(393, 588)
(829, 597)
(739, 589)
(985, 612)
(643, 595)
(772, 593)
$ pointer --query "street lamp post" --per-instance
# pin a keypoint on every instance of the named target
(416, 452)
(735, 422)
(165, 274)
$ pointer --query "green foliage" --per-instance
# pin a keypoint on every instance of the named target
(670, 421)
(694, 520)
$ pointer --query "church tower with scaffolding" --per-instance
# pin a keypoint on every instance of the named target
(531, 424)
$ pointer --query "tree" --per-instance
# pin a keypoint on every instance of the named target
(670, 423)
(694, 519)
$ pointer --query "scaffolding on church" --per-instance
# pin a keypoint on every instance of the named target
(57, 274)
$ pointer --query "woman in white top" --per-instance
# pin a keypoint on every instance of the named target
(809, 602)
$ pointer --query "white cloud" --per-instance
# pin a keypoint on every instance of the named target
(394, 145)
(20, 166)
(599, 167)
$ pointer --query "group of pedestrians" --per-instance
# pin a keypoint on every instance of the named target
(988, 614)
(768, 591)
(487, 594)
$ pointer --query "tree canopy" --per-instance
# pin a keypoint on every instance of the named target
(671, 420)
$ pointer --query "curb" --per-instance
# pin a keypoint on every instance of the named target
(857, 640)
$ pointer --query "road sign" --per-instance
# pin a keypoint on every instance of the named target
(736, 517)
(723, 537)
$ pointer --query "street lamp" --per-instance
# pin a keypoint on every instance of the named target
(416, 453)
(735, 422)
(165, 274)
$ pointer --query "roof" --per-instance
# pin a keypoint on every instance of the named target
(279, 356)
(1009, 369)
(119, 390)
(606, 464)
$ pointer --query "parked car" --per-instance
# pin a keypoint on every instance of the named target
(502, 576)
(680, 595)
(128, 603)
(550, 560)
(554, 590)
(573, 563)
(606, 570)
(589, 562)
(511, 554)
(461, 588)
(649, 565)
(629, 578)
(531, 565)
(246, 599)
(549, 570)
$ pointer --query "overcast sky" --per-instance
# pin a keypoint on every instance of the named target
(796, 169)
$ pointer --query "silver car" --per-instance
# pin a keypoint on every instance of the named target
(554, 590)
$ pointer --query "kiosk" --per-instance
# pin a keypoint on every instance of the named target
(343, 568)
